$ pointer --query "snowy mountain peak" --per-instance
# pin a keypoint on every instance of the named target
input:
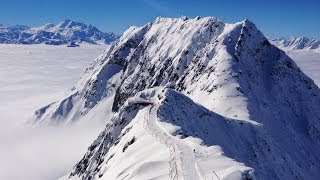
(63, 33)
(214, 91)
(67, 21)
(47, 26)
(70, 24)
(184, 54)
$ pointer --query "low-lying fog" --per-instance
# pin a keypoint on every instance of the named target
(32, 76)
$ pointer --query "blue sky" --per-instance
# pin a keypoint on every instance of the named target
(276, 18)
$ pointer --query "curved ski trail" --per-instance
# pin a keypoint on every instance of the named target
(183, 155)
(163, 138)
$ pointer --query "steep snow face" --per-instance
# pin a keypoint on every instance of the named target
(231, 70)
(190, 55)
(62, 33)
(296, 43)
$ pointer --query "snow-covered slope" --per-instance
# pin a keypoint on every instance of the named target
(295, 43)
(250, 99)
(62, 33)
(143, 138)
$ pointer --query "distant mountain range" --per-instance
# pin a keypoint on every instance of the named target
(296, 43)
(69, 31)
(64, 32)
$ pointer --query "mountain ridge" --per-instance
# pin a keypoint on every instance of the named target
(224, 76)
(64, 32)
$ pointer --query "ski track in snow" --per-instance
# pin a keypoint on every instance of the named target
(189, 165)
(186, 156)
(183, 160)
(161, 136)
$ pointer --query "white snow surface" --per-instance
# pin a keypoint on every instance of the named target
(241, 107)
(30, 76)
(147, 148)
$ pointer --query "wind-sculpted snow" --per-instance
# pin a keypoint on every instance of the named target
(65, 32)
(252, 100)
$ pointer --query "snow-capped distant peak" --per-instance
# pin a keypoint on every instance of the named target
(296, 43)
(47, 26)
(65, 24)
(64, 32)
